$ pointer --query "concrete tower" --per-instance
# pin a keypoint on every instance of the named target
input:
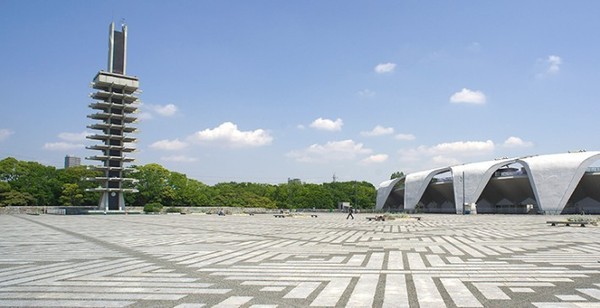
(114, 102)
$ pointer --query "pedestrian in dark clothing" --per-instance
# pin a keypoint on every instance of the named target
(350, 211)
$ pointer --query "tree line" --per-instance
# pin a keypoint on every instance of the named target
(25, 183)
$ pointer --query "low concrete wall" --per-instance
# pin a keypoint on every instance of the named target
(82, 210)
(22, 210)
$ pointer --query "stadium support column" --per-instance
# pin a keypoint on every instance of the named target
(115, 101)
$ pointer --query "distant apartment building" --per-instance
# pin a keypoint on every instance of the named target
(72, 161)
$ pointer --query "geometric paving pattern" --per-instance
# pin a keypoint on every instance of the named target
(261, 261)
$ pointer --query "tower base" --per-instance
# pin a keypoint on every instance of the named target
(112, 201)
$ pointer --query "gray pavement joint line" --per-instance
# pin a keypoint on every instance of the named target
(271, 236)
(137, 254)
(218, 283)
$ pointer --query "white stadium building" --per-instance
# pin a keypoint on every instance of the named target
(547, 184)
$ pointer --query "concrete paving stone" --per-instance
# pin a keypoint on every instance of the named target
(190, 261)
(570, 297)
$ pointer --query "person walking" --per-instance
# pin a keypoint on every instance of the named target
(350, 211)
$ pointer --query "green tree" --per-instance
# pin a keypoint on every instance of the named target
(71, 195)
(10, 169)
(396, 175)
(153, 180)
(15, 198)
(243, 195)
(188, 192)
(365, 195)
(37, 180)
(314, 196)
(4, 187)
(80, 175)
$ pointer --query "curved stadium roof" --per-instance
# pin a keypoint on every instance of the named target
(550, 183)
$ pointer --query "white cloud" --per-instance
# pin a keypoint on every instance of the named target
(375, 159)
(169, 145)
(72, 141)
(147, 112)
(165, 111)
(406, 137)
(516, 142)
(440, 160)
(331, 151)
(74, 137)
(549, 66)
(144, 116)
(385, 68)
(228, 134)
(327, 124)
(366, 93)
(62, 146)
(5, 133)
(448, 153)
(463, 147)
(378, 131)
(467, 96)
(179, 159)
(554, 63)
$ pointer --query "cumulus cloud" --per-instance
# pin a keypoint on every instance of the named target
(331, 151)
(169, 145)
(71, 141)
(447, 153)
(550, 66)
(463, 147)
(375, 159)
(467, 96)
(166, 110)
(378, 131)
(516, 142)
(74, 137)
(62, 146)
(5, 133)
(228, 134)
(179, 159)
(440, 160)
(406, 137)
(327, 124)
(147, 112)
(384, 68)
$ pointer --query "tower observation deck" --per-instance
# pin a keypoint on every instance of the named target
(115, 101)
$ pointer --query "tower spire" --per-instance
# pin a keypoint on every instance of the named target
(117, 49)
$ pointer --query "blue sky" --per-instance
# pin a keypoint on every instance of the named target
(263, 91)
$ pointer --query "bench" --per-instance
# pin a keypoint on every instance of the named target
(376, 218)
(567, 223)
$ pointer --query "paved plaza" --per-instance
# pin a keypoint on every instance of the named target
(190, 261)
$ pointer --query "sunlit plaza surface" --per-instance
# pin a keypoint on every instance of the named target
(264, 261)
